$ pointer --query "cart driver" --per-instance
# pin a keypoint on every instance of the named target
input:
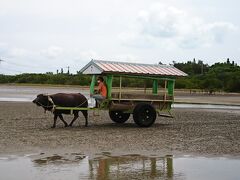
(101, 90)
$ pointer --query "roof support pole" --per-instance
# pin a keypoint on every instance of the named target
(155, 87)
(170, 87)
(109, 86)
(120, 87)
(165, 90)
(92, 84)
(145, 86)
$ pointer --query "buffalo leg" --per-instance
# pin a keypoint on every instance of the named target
(65, 123)
(74, 118)
(85, 114)
(54, 121)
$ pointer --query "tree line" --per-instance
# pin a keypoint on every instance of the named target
(217, 77)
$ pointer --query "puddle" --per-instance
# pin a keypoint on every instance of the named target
(106, 166)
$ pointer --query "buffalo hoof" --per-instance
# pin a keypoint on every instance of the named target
(53, 127)
(66, 125)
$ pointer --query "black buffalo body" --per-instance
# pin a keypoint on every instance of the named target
(48, 102)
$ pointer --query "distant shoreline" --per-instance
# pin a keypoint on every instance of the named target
(40, 85)
(177, 91)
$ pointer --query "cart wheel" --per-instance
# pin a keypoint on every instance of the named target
(119, 116)
(144, 115)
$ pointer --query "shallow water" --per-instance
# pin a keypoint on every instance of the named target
(205, 106)
(28, 93)
(106, 166)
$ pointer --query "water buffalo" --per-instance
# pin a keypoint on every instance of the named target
(48, 102)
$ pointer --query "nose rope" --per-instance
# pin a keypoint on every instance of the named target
(44, 105)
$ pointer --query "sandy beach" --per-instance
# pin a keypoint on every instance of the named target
(25, 128)
(203, 136)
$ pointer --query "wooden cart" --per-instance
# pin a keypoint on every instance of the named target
(121, 102)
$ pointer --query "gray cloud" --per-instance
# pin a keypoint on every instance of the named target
(52, 52)
(54, 34)
(162, 23)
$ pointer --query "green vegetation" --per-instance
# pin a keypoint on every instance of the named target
(218, 77)
(48, 78)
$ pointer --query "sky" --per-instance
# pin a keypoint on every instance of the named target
(38, 36)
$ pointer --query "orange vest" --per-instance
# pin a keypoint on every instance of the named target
(102, 89)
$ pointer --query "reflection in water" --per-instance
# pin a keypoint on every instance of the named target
(57, 159)
(76, 166)
(116, 167)
(131, 166)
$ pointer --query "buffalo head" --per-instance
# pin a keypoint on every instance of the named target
(43, 100)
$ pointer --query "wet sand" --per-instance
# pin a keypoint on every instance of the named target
(25, 129)
(23, 93)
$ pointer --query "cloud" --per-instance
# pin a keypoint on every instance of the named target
(202, 34)
(18, 52)
(7, 51)
(3, 44)
(127, 58)
(52, 52)
(167, 26)
(135, 39)
(219, 30)
(160, 21)
(3, 48)
(84, 55)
